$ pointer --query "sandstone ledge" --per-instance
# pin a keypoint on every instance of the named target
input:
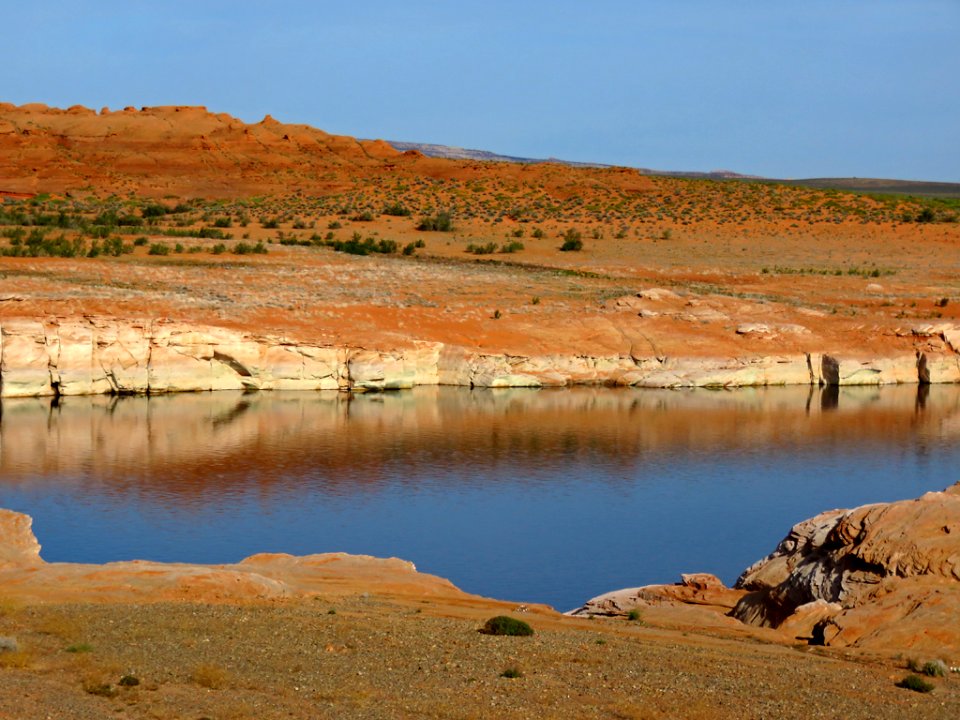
(99, 355)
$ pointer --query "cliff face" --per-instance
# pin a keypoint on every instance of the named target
(91, 355)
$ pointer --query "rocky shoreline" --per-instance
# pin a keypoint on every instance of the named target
(880, 577)
(99, 355)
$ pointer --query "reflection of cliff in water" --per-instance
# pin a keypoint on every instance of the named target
(183, 445)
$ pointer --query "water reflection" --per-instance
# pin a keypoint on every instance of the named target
(685, 480)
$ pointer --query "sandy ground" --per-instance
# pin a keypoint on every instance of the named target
(364, 656)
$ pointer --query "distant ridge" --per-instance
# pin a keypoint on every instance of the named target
(457, 153)
(853, 184)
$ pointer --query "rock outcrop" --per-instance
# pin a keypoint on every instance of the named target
(26, 577)
(886, 574)
(96, 355)
(882, 577)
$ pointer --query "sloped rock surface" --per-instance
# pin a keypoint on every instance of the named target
(890, 573)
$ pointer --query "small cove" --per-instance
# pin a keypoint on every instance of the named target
(535, 496)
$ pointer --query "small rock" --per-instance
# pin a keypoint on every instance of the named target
(8, 644)
(658, 294)
(754, 329)
(874, 288)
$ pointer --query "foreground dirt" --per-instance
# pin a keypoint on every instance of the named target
(364, 656)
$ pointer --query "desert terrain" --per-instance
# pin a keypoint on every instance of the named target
(178, 217)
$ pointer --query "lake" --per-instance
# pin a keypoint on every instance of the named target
(528, 495)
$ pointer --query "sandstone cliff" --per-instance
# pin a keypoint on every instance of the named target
(96, 355)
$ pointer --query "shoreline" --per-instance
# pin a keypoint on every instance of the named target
(109, 356)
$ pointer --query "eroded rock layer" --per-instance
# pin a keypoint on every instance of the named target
(96, 355)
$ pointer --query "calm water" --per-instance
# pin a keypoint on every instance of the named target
(547, 496)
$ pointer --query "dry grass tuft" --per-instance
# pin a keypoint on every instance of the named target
(210, 676)
(17, 659)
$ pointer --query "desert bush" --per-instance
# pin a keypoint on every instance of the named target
(129, 681)
(488, 249)
(931, 668)
(441, 222)
(512, 247)
(506, 625)
(634, 615)
(572, 241)
(397, 209)
(512, 673)
(915, 683)
(159, 249)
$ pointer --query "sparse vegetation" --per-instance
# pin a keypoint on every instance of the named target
(506, 625)
(512, 673)
(441, 222)
(916, 683)
(572, 241)
(81, 647)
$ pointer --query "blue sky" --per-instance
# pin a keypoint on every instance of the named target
(865, 88)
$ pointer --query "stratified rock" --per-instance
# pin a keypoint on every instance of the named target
(886, 573)
(98, 355)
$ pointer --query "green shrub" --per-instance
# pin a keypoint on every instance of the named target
(572, 241)
(397, 209)
(159, 249)
(506, 625)
(488, 249)
(915, 683)
(512, 247)
(441, 222)
(512, 673)
(634, 615)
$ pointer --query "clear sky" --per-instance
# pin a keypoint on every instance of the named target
(864, 88)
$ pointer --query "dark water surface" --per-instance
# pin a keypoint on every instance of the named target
(545, 496)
